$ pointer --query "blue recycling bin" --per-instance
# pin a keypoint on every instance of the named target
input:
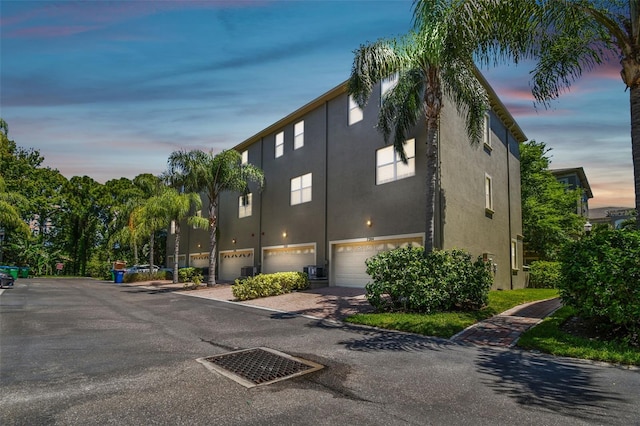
(118, 276)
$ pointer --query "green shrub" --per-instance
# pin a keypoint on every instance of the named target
(264, 285)
(601, 280)
(405, 279)
(190, 275)
(98, 269)
(147, 276)
(543, 274)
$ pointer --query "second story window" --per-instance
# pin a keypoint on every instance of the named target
(487, 130)
(245, 157)
(301, 189)
(389, 165)
(279, 144)
(387, 84)
(244, 205)
(298, 135)
(488, 193)
(355, 112)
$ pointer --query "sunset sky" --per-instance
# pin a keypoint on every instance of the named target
(110, 88)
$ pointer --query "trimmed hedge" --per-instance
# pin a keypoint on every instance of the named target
(190, 275)
(543, 274)
(601, 280)
(264, 285)
(147, 276)
(406, 280)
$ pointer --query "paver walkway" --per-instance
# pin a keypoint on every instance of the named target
(504, 329)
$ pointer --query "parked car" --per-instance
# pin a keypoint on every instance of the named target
(6, 280)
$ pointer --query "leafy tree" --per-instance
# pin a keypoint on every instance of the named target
(430, 62)
(565, 38)
(209, 174)
(549, 212)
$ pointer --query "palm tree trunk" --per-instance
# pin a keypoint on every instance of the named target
(176, 251)
(432, 108)
(635, 144)
(151, 241)
(213, 241)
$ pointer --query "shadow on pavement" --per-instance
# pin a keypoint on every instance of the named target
(548, 384)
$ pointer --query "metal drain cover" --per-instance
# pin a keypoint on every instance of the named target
(259, 366)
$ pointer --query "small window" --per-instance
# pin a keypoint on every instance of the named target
(514, 255)
(173, 227)
(488, 193)
(301, 189)
(388, 84)
(244, 205)
(355, 112)
(198, 214)
(279, 144)
(389, 166)
(487, 131)
(245, 157)
(298, 135)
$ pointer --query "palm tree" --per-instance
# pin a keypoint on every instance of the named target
(209, 174)
(176, 207)
(430, 63)
(565, 38)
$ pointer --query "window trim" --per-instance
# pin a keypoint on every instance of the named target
(279, 147)
(300, 190)
(488, 194)
(486, 136)
(514, 255)
(245, 205)
(298, 136)
(355, 113)
(396, 160)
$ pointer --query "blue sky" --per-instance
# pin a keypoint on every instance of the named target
(110, 88)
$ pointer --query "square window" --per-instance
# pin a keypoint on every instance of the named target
(298, 135)
(389, 165)
(244, 205)
(279, 144)
(355, 112)
(301, 189)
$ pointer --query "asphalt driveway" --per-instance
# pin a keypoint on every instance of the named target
(87, 352)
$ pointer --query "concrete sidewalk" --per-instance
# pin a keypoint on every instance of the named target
(337, 303)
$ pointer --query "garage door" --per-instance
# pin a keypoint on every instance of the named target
(349, 269)
(287, 259)
(232, 262)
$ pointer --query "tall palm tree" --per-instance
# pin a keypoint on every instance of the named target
(565, 38)
(176, 207)
(211, 174)
(431, 63)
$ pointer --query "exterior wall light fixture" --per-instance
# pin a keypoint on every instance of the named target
(284, 234)
(369, 223)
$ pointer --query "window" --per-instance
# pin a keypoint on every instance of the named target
(173, 227)
(245, 157)
(198, 214)
(389, 166)
(279, 144)
(355, 112)
(514, 255)
(301, 189)
(298, 135)
(244, 205)
(388, 84)
(487, 130)
(488, 193)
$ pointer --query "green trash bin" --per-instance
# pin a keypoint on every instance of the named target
(24, 272)
(13, 271)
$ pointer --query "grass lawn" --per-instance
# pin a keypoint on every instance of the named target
(550, 338)
(447, 324)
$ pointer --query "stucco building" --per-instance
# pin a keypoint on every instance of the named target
(335, 195)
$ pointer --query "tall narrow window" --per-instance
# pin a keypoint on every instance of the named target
(245, 157)
(355, 112)
(488, 193)
(244, 205)
(514, 255)
(387, 84)
(301, 189)
(389, 166)
(298, 135)
(173, 227)
(487, 130)
(198, 214)
(279, 144)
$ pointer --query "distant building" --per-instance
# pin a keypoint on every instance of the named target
(576, 178)
(612, 216)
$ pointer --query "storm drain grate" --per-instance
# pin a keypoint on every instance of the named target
(259, 366)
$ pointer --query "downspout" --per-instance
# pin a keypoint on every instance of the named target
(326, 190)
(509, 201)
(259, 260)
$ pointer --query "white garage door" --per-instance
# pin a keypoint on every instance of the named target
(232, 262)
(349, 269)
(288, 259)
